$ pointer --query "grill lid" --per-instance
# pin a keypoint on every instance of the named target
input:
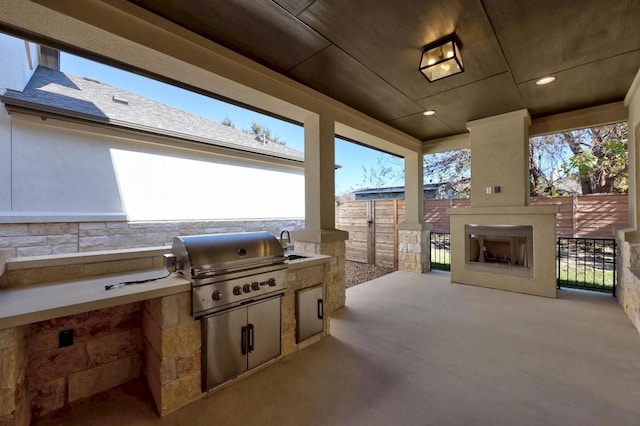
(215, 253)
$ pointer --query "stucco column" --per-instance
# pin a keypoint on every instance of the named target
(499, 160)
(319, 173)
(319, 235)
(413, 233)
(628, 291)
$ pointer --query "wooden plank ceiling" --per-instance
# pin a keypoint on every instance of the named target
(365, 53)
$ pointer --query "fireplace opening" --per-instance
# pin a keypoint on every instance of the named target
(500, 248)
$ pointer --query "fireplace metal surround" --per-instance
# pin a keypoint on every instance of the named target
(503, 249)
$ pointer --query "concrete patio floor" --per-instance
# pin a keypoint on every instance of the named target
(411, 349)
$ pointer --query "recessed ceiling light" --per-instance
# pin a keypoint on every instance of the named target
(429, 112)
(545, 80)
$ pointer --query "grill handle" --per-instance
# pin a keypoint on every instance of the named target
(320, 308)
(243, 339)
(250, 337)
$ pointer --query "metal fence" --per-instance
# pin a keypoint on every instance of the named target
(441, 251)
(583, 263)
(587, 263)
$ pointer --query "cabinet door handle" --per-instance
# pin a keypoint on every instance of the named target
(320, 309)
(250, 337)
(243, 340)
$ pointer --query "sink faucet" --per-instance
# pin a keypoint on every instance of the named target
(282, 238)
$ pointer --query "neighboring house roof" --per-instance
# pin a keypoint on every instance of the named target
(55, 92)
(431, 190)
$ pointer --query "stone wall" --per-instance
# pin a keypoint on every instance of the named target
(173, 347)
(14, 402)
(39, 239)
(107, 351)
(413, 250)
(628, 290)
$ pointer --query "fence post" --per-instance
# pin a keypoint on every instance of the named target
(395, 234)
(371, 232)
(575, 210)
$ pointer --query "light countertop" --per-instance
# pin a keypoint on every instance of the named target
(29, 304)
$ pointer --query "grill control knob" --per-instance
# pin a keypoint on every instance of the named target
(237, 290)
(246, 288)
(272, 282)
(255, 285)
(217, 295)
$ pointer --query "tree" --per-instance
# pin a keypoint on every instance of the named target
(387, 171)
(595, 158)
(261, 132)
(452, 168)
(264, 133)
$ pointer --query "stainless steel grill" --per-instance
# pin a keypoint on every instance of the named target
(227, 270)
(236, 281)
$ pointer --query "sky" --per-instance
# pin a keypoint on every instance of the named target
(350, 156)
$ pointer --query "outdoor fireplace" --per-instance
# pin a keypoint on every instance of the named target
(506, 249)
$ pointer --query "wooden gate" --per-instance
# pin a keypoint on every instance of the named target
(373, 230)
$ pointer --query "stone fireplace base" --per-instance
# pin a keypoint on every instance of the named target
(534, 274)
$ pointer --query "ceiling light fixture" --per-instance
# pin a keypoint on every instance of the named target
(441, 59)
(545, 80)
(429, 112)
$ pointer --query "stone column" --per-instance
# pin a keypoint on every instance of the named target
(414, 247)
(173, 349)
(320, 235)
(413, 234)
(14, 402)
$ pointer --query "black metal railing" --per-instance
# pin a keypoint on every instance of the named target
(583, 263)
(440, 251)
(587, 263)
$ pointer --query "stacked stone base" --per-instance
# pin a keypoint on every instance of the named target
(173, 347)
(413, 250)
(14, 401)
(335, 278)
(628, 290)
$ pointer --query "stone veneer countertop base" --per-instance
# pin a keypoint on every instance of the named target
(29, 304)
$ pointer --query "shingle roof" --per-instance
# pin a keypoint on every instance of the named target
(95, 101)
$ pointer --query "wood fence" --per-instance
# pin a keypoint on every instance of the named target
(373, 231)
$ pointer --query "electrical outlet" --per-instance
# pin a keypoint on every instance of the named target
(65, 338)
(488, 190)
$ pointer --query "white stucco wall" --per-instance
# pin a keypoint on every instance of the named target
(15, 72)
(15, 69)
(5, 160)
(62, 170)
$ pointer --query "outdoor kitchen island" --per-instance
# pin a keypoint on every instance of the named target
(66, 338)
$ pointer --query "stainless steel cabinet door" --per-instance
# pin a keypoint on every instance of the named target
(225, 342)
(309, 312)
(264, 326)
